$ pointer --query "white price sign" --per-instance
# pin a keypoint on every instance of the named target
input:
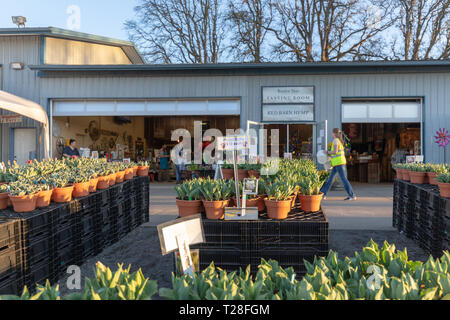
(231, 143)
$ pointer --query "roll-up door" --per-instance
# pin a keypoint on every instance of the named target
(381, 111)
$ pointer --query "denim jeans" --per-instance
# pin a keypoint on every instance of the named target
(340, 170)
(179, 171)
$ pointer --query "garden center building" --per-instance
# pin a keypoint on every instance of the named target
(100, 92)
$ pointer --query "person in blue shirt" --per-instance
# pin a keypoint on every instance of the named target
(164, 161)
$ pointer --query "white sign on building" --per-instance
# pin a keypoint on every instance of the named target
(283, 95)
(288, 112)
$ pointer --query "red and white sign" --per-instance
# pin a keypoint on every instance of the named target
(12, 118)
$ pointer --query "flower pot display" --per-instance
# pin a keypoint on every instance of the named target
(142, 171)
(62, 195)
(278, 209)
(25, 203)
(43, 198)
(103, 183)
(310, 203)
(228, 174)
(4, 197)
(188, 208)
(215, 210)
(418, 177)
(120, 176)
(93, 185)
(128, 174)
(81, 189)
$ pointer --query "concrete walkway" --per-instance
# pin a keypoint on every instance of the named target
(372, 210)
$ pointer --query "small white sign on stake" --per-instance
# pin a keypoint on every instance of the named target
(185, 255)
(233, 143)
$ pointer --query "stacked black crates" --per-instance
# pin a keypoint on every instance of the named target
(234, 244)
(10, 257)
(51, 239)
(422, 215)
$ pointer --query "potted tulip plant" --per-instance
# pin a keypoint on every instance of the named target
(254, 200)
(4, 196)
(279, 199)
(216, 196)
(62, 190)
(435, 170)
(23, 196)
(417, 173)
(310, 196)
(188, 198)
(443, 181)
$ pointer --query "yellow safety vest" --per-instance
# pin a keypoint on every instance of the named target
(338, 158)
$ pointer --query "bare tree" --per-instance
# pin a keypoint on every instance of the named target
(424, 30)
(178, 31)
(344, 28)
(249, 20)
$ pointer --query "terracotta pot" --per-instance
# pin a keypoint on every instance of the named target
(310, 203)
(135, 169)
(254, 173)
(43, 198)
(128, 174)
(432, 178)
(189, 208)
(242, 174)
(228, 174)
(418, 177)
(444, 189)
(103, 183)
(405, 174)
(142, 171)
(112, 179)
(62, 195)
(24, 203)
(80, 189)
(4, 197)
(278, 209)
(399, 174)
(120, 176)
(253, 202)
(93, 185)
(215, 210)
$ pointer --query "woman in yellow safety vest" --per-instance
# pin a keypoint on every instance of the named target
(338, 162)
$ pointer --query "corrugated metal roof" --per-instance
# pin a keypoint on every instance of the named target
(128, 46)
(257, 68)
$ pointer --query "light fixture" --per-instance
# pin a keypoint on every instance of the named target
(19, 21)
(17, 65)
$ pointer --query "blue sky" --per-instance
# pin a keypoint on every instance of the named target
(100, 17)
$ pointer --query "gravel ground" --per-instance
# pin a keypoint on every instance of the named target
(141, 249)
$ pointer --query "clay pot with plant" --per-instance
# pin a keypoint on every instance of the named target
(103, 179)
(434, 171)
(443, 180)
(4, 196)
(23, 195)
(188, 198)
(242, 171)
(310, 195)
(143, 168)
(279, 199)
(81, 182)
(227, 171)
(417, 173)
(44, 195)
(62, 189)
(216, 196)
(129, 172)
(399, 170)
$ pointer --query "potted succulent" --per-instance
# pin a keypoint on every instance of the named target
(443, 181)
(216, 196)
(4, 196)
(23, 196)
(227, 171)
(81, 182)
(417, 173)
(310, 196)
(188, 198)
(143, 167)
(434, 171)
(279, 200)
(62, 190)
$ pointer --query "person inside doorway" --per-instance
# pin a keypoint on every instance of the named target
(338, 164)
(399, 155)
(178, 158)
(163, 163)
(71, 150)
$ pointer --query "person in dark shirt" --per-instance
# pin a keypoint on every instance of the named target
(71, 150)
